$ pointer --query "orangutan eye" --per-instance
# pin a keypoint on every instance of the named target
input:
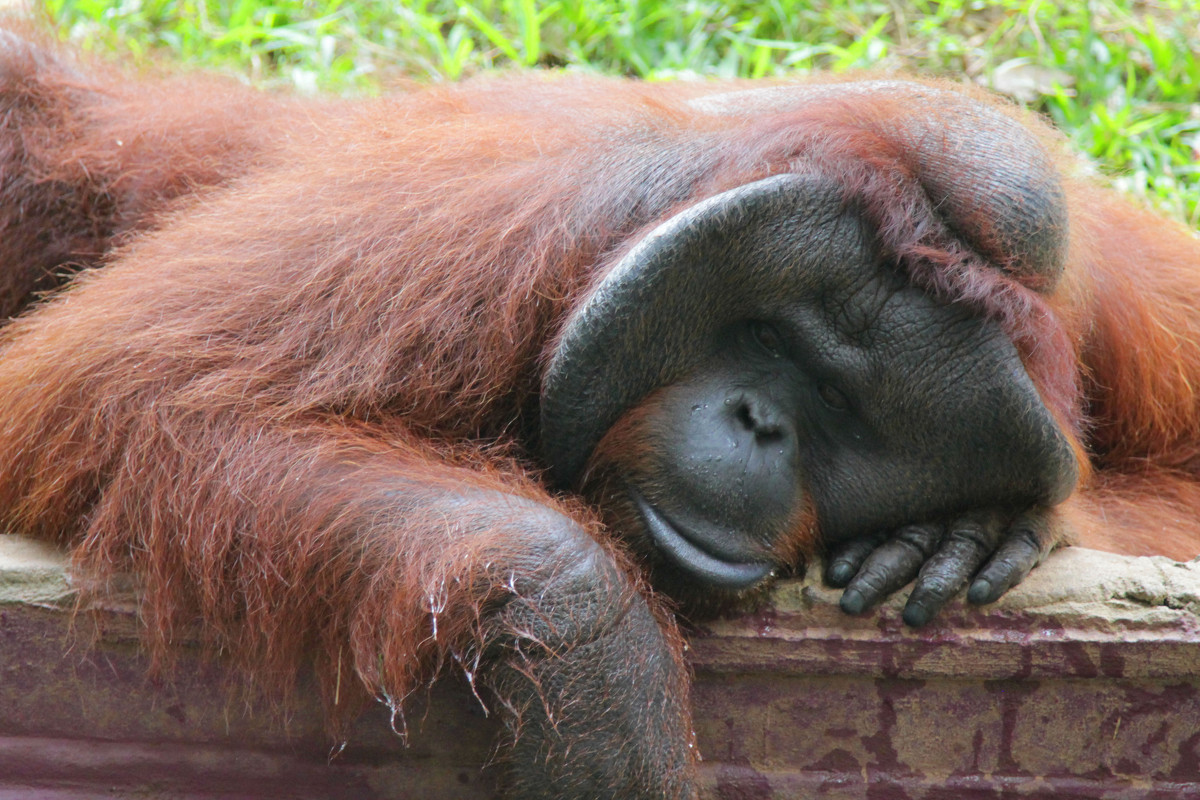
(768, 338)
(833, 398)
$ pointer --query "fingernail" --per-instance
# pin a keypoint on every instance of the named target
(916, 616)
(853, 602)
(839, 573)
(980, 592)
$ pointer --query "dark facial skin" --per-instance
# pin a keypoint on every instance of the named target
(831, 390)
(879, 407)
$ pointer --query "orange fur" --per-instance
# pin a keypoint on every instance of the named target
(303, 305)
(1130, 307)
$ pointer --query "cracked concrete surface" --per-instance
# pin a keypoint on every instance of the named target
(1073, 582)
(1083, 682)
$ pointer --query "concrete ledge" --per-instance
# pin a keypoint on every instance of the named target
(31, 572)
(1084, 682)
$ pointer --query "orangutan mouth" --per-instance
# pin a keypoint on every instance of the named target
(690, 554)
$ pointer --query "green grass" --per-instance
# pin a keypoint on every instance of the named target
(1120, 77)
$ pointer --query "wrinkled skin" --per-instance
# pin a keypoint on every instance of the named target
(833, 389)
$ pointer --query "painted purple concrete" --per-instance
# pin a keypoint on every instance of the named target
(1083, 684)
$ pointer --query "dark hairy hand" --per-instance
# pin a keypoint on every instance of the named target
(997, 549)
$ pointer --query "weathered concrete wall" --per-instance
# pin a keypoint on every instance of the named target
(1084, 682)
